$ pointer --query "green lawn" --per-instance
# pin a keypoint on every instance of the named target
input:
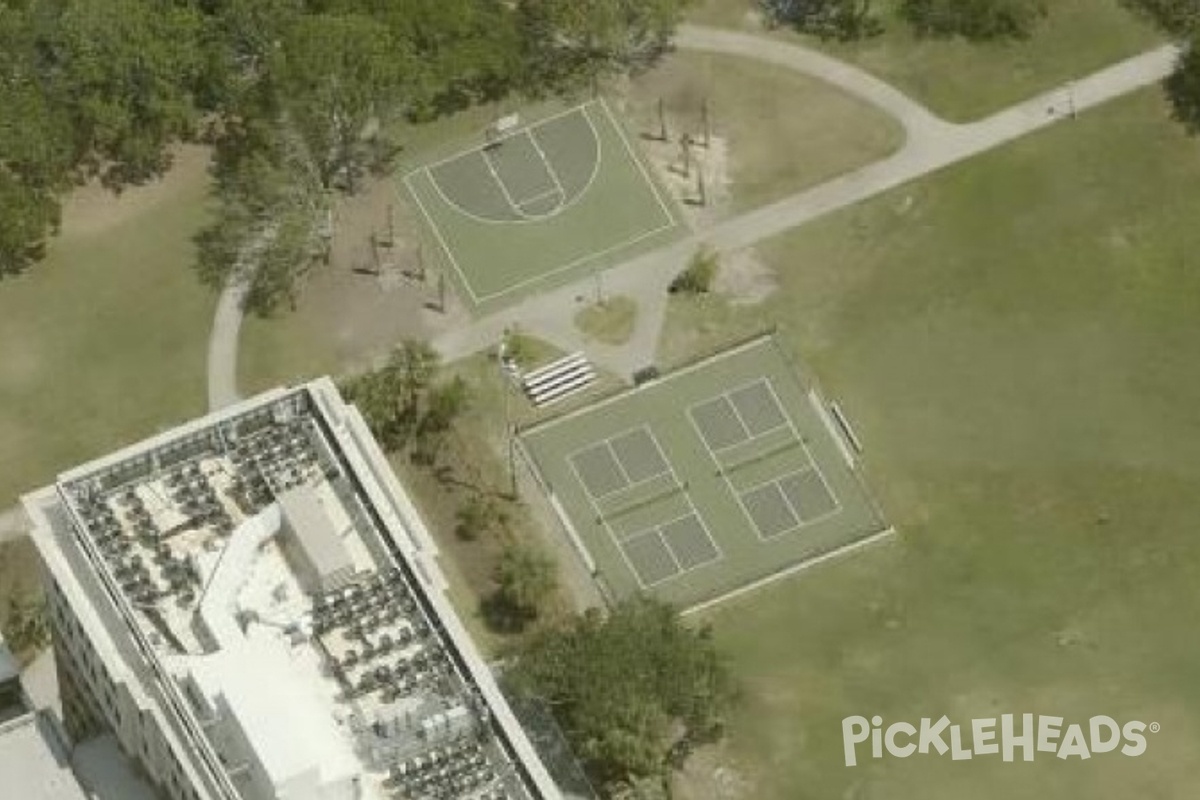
(964, 81)
(105, 341)
(782, 131)
(1015, 340)
(610, 321)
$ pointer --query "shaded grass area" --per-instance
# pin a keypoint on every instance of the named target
(105, 341)
(610, 321)
(784, 131)
(1014, 340)
(962, 80)
(473, 464)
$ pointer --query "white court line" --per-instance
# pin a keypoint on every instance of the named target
(573, 264)
(531, 131)
(643, 535)
(437, 232)
(620, 466)
(607, 441)
(837, 504)
(764, 380)
(503, 186)
(795, 514)
(607, 527)
(737, 497)
(546, 163)
(708, 401)
(541, 196)
(478, 299)
(794, 569)
(649, 386)
(720, 556)
(618, 542)
(509, 135)
(642, 167)
(691, 503)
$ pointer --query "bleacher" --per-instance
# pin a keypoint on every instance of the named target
(558, 380)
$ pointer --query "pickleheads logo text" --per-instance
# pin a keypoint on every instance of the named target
(1006, 736)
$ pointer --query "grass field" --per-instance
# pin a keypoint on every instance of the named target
(964, 81)
(608, 322)
(771, 150)
(546, 203)
(105, 341)
(1015, 340)
(713, 477)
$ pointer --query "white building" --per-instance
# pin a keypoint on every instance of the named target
(33, 754)
(251, 604)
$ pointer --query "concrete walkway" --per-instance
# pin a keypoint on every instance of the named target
(931, 144)
(223, 346)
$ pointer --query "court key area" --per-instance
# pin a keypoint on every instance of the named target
(713, 477)
(540, 204)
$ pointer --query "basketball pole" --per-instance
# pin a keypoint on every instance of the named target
(701, 190)
(662, 121)
(685, 142)
(704, 121)
(505, 380)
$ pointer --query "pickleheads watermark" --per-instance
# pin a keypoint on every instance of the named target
(1006, 736)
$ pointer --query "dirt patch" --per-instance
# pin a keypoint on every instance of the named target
(92, 209)
(745, 279)
(709, 774)
(377, 289)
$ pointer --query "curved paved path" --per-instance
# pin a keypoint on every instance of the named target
(932, 143)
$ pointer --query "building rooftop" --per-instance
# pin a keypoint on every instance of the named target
(269, 568)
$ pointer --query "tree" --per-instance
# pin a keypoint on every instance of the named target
(1183, 85)
(126, 70)
(629, 688)
(699, 275)
(478, 516)
(844, 20)
(27, 215)
(572, 43)
(974, 19)
(1177, 17)
(444, 403)
(391, 397)
(465, 51)
(526, 580)
(336, 73)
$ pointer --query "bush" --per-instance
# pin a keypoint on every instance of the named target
(526, 581)
(1183, 86)
(974, 19)
(1174, 16)
(699, 275)
(843, 20)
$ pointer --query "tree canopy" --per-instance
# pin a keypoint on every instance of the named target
(630, 688)
(1183, 86)
(1174, 16)
(296, 95)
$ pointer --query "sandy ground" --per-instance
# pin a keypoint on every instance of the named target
(92, 209)
(744, 278)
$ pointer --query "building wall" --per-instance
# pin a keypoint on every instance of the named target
(95, 699)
